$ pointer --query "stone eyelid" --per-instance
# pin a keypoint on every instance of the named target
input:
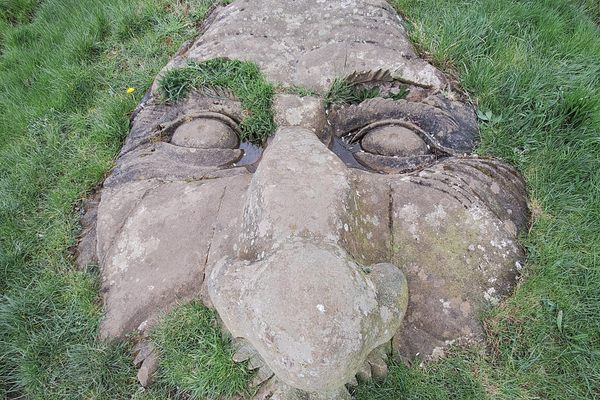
(429, 140)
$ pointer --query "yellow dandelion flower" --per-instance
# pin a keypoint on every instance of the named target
(130, 90)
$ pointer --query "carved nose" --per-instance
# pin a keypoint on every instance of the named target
(295, 294)
(312, 313)
(300, 189)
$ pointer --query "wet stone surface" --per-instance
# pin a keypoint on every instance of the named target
(323, 265)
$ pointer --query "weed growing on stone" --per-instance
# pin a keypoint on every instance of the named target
(343, 92)
(243, 78)
(298, 90)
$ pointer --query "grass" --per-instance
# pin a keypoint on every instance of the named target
(297, 90)
(243, 78)
(344, 92)
(452, 379)
(532, 65)
(196, 357)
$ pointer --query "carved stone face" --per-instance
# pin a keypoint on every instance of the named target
(310, 254)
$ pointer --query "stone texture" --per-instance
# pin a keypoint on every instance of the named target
(277, 390)
(205, 133)
(392, 140)
(302, 111)
(366, 234)
(153, 243)
(440, 220)
(309, 43)
(285, 187)
(147, 370)
(304, 256)
(169, 162)
(313, 338)
(394, 165)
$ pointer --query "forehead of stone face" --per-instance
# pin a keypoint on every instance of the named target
(309, 43)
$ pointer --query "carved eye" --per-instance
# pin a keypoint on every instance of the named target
(396, 146)
(205, 133)
(395, 141)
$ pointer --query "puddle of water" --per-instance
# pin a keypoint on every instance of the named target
(345, 151)
(252, 154)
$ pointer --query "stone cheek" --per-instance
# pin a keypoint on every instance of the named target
(154, 243)
(458, 258)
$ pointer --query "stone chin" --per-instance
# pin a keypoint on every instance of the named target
(309, 310)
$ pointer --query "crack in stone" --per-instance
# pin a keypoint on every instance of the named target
(214, 228)
(391, 220)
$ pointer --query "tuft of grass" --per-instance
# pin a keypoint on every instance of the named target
(195, 357)
(298, 90)
(18, 11)
(243, 78)
(344, 92)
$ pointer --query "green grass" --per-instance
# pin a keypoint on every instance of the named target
(195, 356)
(243, 78)
(344, 92)
(452, 379)
(532, 65)
(297, 90)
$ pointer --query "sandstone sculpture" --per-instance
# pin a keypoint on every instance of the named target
(308, 260)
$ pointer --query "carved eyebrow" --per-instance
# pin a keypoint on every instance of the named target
(242, 80)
